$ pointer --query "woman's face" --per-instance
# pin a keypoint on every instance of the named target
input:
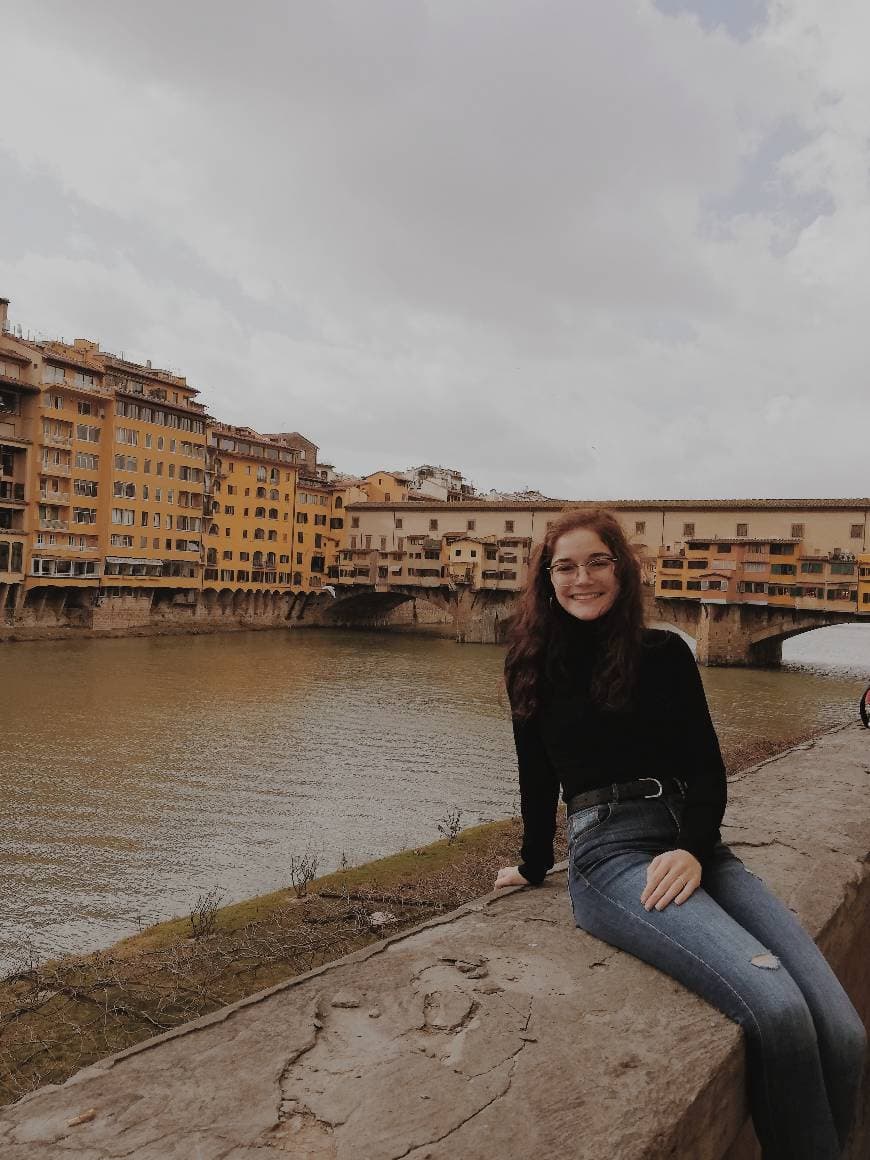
(584, 594)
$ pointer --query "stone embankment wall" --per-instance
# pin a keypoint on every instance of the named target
(55, 614)
(61, 614)
(497, 1031)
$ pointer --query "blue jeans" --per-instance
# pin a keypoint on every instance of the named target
(805, 1042)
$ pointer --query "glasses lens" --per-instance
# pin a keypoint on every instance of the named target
(563, 572)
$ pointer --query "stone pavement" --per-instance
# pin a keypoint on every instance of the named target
(497, 1031)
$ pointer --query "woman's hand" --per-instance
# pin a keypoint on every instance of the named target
(671, 877)
(509, 876)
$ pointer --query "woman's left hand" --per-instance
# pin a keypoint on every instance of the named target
(671, 877)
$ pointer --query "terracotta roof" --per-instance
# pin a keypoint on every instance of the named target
(14, 354)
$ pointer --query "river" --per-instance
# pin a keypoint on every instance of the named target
(141, 773)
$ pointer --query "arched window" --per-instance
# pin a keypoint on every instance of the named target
(273, 535)
(338, 501)
(258, 560)
(297, 578)
(273, 494)
(270, 560)
(260, 513)
(273, 513)
(259, 534)
(261, 493)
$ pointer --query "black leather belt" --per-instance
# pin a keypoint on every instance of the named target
(621, 791)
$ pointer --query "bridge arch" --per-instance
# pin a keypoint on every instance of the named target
(395, 607)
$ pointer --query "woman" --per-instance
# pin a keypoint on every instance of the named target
(616, 716)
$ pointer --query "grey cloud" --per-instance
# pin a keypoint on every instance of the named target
(558, 245)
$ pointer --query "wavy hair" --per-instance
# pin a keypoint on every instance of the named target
(537, 653)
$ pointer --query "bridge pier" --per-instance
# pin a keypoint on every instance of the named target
(481, 617)
(721, 636)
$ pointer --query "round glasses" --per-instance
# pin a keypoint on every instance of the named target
(566, 571)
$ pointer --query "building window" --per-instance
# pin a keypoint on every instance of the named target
(743, 529)
(797, 531)
(688, 529)
(398, 521)
(856, 531)
(433, 525)
(509, 525)
(640, 527)
(470, 525)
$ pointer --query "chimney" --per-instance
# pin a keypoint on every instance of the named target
(4, 307)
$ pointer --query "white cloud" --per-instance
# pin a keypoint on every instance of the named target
(565, 245)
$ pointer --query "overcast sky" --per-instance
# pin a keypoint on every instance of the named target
(605, 249)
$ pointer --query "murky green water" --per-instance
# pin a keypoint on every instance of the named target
(138, 774)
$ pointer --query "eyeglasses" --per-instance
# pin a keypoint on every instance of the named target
(566, 571)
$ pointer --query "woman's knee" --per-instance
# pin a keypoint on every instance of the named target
(851, 1040)
(780, 1015)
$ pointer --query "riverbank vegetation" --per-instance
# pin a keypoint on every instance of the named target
(57, 1017)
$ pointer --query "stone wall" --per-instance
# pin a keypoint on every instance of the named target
(497, 1031)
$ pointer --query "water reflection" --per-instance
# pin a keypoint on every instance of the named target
(140, 773)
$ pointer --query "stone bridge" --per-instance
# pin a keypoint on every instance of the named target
(725, 634)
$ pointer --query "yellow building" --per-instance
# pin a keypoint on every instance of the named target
(315, 542)
(386, 487)
(864, 583)
(17, 413)
(251, 510)
(115, 477)
(774, 571)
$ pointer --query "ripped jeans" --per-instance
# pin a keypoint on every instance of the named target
(805, 1042)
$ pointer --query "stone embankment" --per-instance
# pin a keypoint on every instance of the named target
(497, 1031)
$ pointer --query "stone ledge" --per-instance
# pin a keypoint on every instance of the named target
(495, 1031)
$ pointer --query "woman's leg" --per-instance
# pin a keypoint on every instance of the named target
(707, 950)
(840, 1033)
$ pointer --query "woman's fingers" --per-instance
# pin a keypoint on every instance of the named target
(668, 888)
(656, 873)
(672, 876)
(686, 893)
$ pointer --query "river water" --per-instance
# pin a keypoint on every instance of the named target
(141, 773)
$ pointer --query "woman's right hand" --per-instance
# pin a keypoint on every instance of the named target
(509, 876)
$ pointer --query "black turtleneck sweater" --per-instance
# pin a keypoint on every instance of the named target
(664, 731)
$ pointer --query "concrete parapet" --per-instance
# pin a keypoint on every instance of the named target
(498, 1031)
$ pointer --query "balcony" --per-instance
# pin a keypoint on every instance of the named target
(60, 498)
(12, 493)
(62, 470)
(51, 439)
(54, 525)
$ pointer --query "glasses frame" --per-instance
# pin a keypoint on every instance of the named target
(575, 571)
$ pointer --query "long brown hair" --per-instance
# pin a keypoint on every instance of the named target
(537, 646)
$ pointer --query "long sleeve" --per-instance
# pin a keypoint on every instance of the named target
(539, 798)
(700, 762)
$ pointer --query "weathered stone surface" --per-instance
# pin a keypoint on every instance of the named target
(497, 1031)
